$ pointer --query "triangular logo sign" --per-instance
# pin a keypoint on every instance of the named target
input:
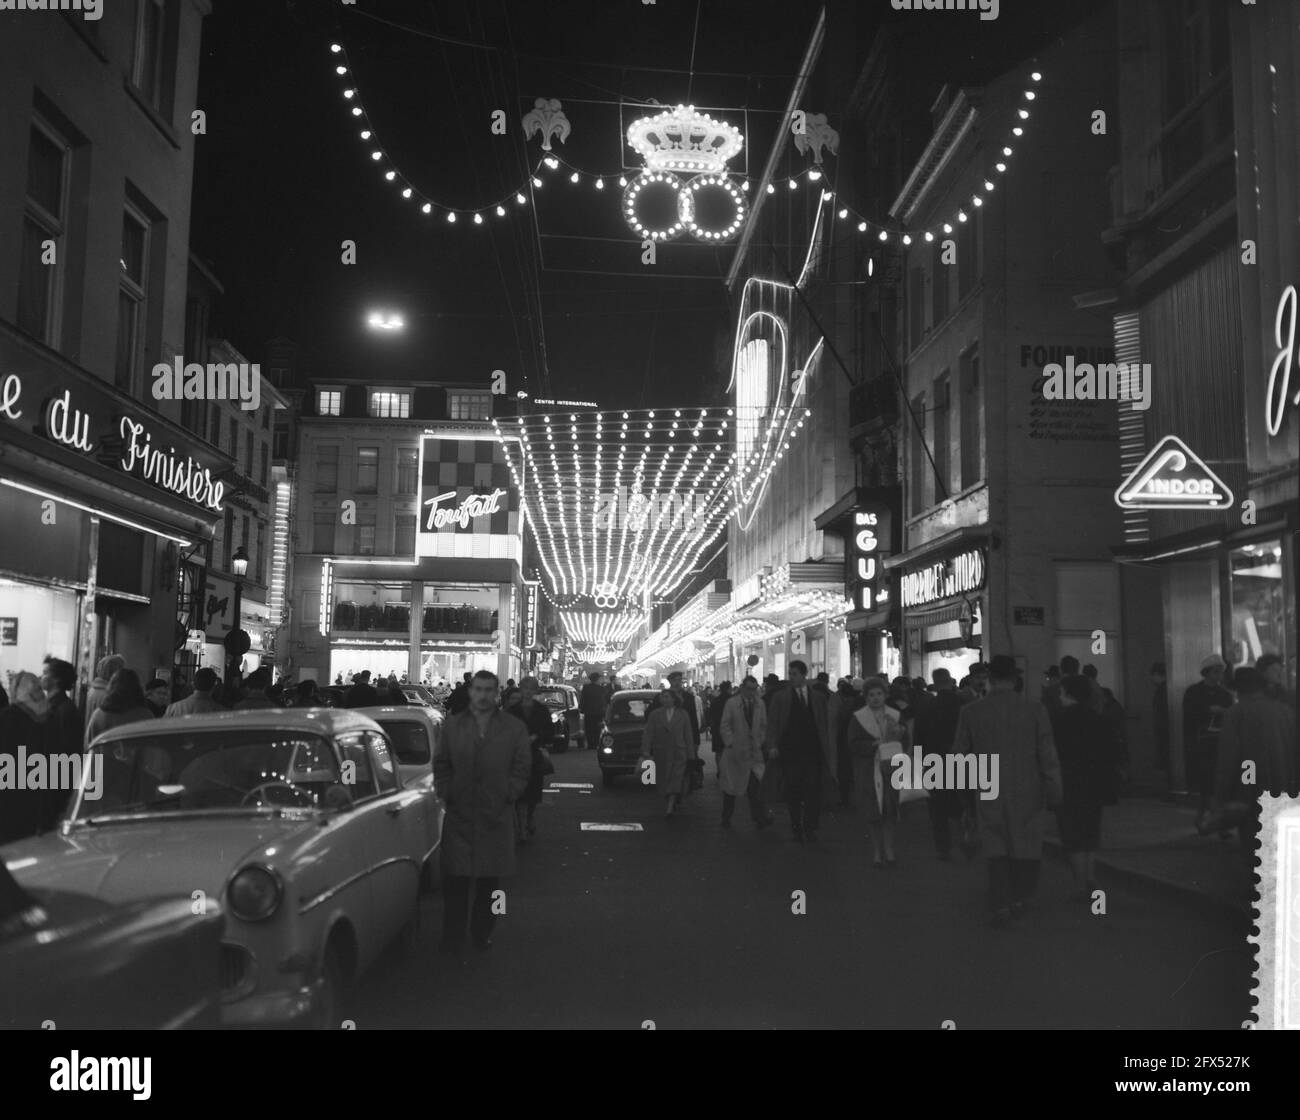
(1173, 477)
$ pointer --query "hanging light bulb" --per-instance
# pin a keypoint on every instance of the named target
(1001, 167)
(501, 211)
(1023, 114)
(1006, 151)
(794, 184)
(1036, 76)
(427, 207)
(843, 213)
(340, 69)
(551, 162)
(745, 185)
(988, 184)
(771, 188)
(622, 180)
(356, 110)
(600, 184)
(884, 235)
(376, 155)
(349, 94)
(947, 227)
(573, 178)
(520, 199)
(406, 193)
(1018, 131)
(536, 181)
(390, 175)
(1030, 95)
(478, 219)
(814, 174)
(365, 134)
(929, 236)
(862, 227)
(907, 239)
(335, 48)
(451, 215)
(961, 215)
(977, 201)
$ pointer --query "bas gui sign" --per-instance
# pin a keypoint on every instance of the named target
(58, 407)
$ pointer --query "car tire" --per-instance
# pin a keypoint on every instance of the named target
(335, 993)
(607, 776)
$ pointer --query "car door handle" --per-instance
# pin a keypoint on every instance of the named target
(393, 810)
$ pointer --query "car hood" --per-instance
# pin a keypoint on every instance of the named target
(144, 859)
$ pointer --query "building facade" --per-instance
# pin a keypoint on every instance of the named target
(103, 493)
(409, 556)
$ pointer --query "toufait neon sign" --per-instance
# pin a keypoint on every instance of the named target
(475, 505)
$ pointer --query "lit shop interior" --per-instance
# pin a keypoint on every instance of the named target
(370, 628)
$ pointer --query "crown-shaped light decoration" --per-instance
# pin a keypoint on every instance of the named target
(684, 139)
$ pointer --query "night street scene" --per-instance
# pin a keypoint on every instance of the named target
(649, 515)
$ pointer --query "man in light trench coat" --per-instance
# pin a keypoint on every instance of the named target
(481, 767)
(1015, 734)
(743, 730)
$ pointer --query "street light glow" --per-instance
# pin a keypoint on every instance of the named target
(385, 321)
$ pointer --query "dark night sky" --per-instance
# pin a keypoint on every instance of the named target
(283, 177)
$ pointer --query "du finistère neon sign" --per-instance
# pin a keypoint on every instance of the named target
(66, 424)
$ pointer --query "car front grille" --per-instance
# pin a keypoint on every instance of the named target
(236, 970)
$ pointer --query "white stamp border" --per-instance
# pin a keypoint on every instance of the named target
(1277, 916)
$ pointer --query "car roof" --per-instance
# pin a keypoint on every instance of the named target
(637, 692)
(324, 721)
(394, 711)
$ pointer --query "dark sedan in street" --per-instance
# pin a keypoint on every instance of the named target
(620, 735)
(562, 701)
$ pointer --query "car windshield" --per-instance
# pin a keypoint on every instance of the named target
(630, 709)
(410, 740)
(248, 769)
(555, 699)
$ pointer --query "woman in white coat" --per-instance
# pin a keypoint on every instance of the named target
(876, 734)
(667, 740)
(743, 729)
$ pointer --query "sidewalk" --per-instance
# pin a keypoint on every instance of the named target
(1154, 844)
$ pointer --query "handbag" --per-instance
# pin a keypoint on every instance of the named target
(695, 773)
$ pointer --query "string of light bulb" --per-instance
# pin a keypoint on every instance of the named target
(553, 162)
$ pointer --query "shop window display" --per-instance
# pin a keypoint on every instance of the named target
(1258, 612)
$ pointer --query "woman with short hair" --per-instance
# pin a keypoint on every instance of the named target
(123, 703)
(876, 734)
(668, 741)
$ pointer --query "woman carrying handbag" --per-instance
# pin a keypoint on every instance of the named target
(667, 740)
(876, 735)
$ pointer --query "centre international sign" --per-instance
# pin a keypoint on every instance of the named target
(942, 580)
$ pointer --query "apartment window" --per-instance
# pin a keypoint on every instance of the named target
(133, 284)
(266, 464)
(327, 469)
(407, 469)
(919, 464)
(44, 219)
(250, 438)
(1197, 86)
(233, 449)
(153, 68)
(280, 439)
(942, 277)
(968, 255)
(972, 425)
(322, 532)
(404, 534)
(367, 470)
(365, 532)
(941, 436)
(470, 406)
(266, 419)
(915, 307)
(390, 406)
(256, 568)
(329, 402)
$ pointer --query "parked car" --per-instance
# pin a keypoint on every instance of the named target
(75, 962)
(297, 822)
(620, 735)
(414, 731)
(420, 694)
(563, 703)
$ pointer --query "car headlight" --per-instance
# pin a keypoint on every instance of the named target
(254, 894)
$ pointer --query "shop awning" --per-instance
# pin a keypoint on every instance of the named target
(1170, 548)
(949, 612)
(966, 534)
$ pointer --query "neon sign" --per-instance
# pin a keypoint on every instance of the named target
(869, 540)
(1276, 402)
(963, 573)
(1173, 476)
(475, 505)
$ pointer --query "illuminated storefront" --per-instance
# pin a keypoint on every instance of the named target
(442, 593)
(942, 591)
(99, 498)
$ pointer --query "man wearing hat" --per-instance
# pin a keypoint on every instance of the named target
(1015, 733)
(936, 727)
(1203, 706)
